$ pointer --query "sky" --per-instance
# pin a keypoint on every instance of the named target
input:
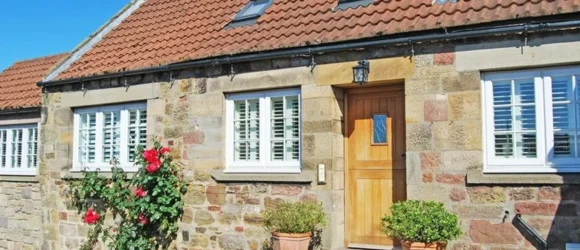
(35, 28)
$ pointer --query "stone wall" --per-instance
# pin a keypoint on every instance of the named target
(20, 215)
(188, 114)
(444, 144)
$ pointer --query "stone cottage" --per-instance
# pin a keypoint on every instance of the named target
(472, 103)
(20, 191)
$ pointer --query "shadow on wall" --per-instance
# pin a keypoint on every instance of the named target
(555, 218)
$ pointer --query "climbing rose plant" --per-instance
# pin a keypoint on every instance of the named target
(145, 209)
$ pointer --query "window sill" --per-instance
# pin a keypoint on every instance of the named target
(19, 178)
(477, 176)
(303, 177)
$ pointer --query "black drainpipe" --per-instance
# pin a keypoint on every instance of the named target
(527, 230)
(510, 29)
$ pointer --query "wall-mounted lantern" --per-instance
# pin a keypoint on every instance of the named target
(360, 72)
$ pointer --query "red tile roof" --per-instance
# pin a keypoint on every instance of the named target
(18, 82)
(160, 32)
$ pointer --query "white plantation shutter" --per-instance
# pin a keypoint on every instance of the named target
(3, 148)
(32, 145)
(18, 147)
(264, 133)
(532, 120)
(247, 130)
(88, 138)
(285, 129)
(564, 117)
(16, 154)
(514, 119)
(137, 131)
(109, 134)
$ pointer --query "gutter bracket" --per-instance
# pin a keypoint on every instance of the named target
(312, 62)
(412, 48)
(125, 84)
(83, 89)
(232, 71)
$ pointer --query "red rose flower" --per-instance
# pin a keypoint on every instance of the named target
(164, 150)
(153, 167)
(143, 219)
(140, 193)
(91, 217)
(151, 155)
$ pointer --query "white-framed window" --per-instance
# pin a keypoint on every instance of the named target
(263, 132)
(108, 133)
(532, 120)
(18, 149)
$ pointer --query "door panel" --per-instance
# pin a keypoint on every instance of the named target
(375, 166)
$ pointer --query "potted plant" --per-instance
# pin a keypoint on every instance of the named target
(292, 224)
(421, 224)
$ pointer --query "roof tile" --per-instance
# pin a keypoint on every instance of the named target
(170, 31)
(18, 82)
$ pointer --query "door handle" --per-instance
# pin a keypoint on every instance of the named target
(404, 155)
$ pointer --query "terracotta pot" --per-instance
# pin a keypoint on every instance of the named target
(420, 246)
(284, 241)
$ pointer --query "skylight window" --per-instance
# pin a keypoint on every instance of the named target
(250, 13)
(345, 4)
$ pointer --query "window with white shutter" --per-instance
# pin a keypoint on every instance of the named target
(263, 133)
(108, 134)
(18, 149)
(532, 120)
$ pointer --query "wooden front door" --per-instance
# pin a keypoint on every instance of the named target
(375, 174)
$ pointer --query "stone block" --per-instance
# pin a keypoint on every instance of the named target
(253, 219)
(458, 135)
(549, 194)
(465, 106)
(315, 91)
(522, 193)
(63, 117)
(461, 160)
(172, 132)
(195, 195)
(545, 208)
(419, 137)
(414, 107)
(486, 232)
(414, 171)
(427, 178)
(444, 58)
(436, 110)
(287, 190)
(423, 60)
(216, 194)
(195, 137)
(432, 192)
(457, 194)
(430, 160)
(203, 218)
(232, 242)
(207, 105)
(324, 108)
(322, 126)
(435, 71)
(423, 86)
(200, 240)
(449, 178)
(479, 195)
(464, 81)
